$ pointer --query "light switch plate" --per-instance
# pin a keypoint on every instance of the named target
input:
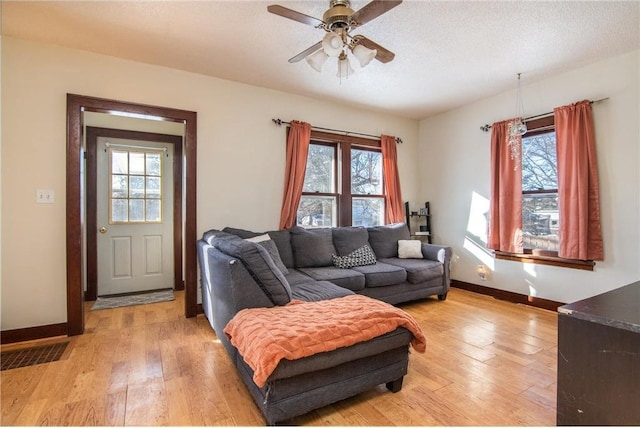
(44, 196)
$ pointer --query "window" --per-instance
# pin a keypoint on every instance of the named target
(540, 217)
(343, 183)
(540, 214)
(135, 187)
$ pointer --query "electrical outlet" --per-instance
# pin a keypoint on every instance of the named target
(44, 196)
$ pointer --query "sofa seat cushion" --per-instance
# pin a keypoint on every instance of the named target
(314, 291)
(382, 274)
(418, 270)
(296, 277)
(347, 278)
(397, 339)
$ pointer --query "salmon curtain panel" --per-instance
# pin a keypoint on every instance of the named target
(578, 189)
(298, 139)
(393, 212)
(505, 210)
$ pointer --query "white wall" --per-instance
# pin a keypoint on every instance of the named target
(241, 155)
(454, 174)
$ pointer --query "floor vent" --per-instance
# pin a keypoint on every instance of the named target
(32, 356)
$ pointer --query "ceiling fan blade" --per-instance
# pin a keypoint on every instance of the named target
(384, 55)
(292, 14)
(305, 53)
(373, 10)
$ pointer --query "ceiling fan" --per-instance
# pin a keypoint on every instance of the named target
(338, 21)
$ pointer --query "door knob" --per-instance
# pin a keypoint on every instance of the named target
(102, 230)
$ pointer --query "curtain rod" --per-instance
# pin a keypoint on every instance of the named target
(279, 122)
(487, 127)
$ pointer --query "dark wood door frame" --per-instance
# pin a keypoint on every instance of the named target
(91, 195)
(76, 104)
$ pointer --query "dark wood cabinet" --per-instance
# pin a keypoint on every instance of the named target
(599, 359)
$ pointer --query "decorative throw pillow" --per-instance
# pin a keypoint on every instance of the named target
(409, 249)
(361, 257)
(272, 249)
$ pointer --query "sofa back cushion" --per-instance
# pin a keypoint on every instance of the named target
(348, 239)
(312, 247)
(242, 233)
(260, 265)
(384, 239)
(282, 238)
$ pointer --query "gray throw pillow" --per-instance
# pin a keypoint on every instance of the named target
(384, 239)
(348, 239)
(312, 247)
(260, 265)
(361, 257)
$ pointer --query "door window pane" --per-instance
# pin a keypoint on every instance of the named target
(136, 210)
(136, 163)
(135, 186)
(154, 162)
(119, 210)
(366, 172)
(119, 162)
(153, 210)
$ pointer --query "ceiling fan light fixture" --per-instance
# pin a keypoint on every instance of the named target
(344, 68)
(317, 60)
(364, 55)
(332, 44)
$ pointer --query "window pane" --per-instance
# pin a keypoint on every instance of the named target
(540, 221)
(119, 186)
(153, 210)
(119, 210)
(136, 209)
(539, 162)
(367, 212)
(366, 172)
(119, 162)
(153, 163)
(320, 174)
(136, 187)
(153, 187)
(136, 163)
(317, 211)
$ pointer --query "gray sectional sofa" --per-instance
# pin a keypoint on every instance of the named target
(243, 269)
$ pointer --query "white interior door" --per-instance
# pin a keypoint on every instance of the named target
(134, 216)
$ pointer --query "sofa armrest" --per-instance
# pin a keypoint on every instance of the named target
(437, 253)
(443, 255)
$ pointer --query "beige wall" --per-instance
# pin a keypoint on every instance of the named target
(457, 154)
(240, 155)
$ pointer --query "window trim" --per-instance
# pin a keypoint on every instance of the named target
(536, 127)
(343, 145)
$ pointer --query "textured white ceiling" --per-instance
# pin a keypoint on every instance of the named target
(448, 53)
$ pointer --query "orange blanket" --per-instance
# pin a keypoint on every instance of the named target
(264, 336)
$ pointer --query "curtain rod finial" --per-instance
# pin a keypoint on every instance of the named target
(485, 128)
(277, 121)
(398, 140)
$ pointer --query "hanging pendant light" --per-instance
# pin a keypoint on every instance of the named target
(517, 128)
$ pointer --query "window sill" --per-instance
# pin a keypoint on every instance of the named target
(546, 260)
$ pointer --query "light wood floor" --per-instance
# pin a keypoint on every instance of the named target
(488, 362)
